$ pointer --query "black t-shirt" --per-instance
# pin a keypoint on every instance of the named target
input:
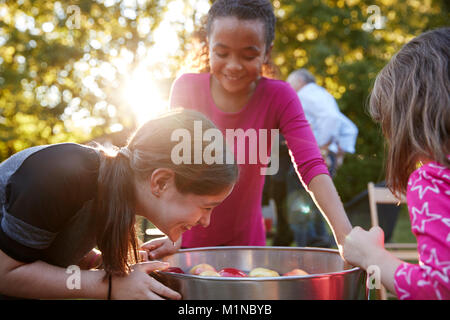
(43, 196)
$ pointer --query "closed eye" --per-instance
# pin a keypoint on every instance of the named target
(221, 55)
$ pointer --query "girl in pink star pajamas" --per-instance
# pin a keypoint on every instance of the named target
(411, 101)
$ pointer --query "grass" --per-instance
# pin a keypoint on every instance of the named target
(402, 232)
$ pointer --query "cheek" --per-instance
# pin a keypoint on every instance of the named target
(215, 64)
(255, 66)
(185, 213)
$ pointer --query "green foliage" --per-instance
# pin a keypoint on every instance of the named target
(327, 38)
(57, 70)
(49, 50)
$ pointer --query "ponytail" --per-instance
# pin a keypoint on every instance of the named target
(116, 234)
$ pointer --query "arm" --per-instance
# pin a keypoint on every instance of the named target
(179, 94)
(325, 196)
(40, 280)
(428, 209)
(310, 166)
(366, 248)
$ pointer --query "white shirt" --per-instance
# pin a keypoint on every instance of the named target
(326, 120)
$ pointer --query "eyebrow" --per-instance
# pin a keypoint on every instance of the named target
(212, 203)
(253, 48)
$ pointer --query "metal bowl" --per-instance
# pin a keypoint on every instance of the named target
(329, 277)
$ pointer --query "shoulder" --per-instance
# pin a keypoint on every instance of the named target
(188, 80)
(318, 95)
(430, 173)
(278, 90)
(430, 181)
(68, 157)
(52, 184)
(276, 85)
(58, 165)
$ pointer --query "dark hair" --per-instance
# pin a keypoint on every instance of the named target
(411, 101)
(149, 148)
(242, 9)
(245, 10)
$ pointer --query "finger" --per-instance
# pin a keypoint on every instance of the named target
(163, 291)
(143, 255)
(159, 252)
(153, 296)
(378, 233)
(150, 266)
(153, 244)
(376, 229)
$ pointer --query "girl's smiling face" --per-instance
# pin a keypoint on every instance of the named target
(237, 52)
(183, 211)
(172, 212)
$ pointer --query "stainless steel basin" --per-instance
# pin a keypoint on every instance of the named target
(329, 277)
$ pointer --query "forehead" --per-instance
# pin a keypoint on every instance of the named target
(215, 199)
(237, 33)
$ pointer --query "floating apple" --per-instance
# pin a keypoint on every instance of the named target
(296, 272)
(232, 272)
(196, 270)
(209, 273)
(263, 272)
(174, 270)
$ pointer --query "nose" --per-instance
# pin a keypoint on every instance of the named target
(234, 64)
(205, 220)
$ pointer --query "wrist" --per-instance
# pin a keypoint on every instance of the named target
(94, 285)
(374, 257)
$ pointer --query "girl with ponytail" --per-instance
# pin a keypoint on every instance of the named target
(59, 202)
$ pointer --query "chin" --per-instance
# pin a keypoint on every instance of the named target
(234, 87)
(174, 236)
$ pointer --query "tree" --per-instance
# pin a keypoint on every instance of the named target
(63, 64)
(338, 42)
(57, 70)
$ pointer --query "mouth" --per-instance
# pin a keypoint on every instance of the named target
(186, 227)
(232, 78)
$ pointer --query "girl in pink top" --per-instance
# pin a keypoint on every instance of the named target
(411, 100)
(234, 95)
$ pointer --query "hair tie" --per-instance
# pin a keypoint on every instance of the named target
(125, 152)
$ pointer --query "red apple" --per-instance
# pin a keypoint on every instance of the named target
(196, 270)
(232, 272)
(296, 272)
(263, 272)
(173, 269)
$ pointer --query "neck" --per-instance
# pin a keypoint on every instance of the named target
(144, 201)
(231, 101)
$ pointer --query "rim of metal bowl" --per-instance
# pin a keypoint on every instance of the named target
(281, 278)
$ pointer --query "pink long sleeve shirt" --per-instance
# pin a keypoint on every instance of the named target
(428, 198)
(273, 105)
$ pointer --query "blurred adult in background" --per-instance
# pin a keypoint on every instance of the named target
(336, 135)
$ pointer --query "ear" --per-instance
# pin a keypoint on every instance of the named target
(160, 180)
(268, 53)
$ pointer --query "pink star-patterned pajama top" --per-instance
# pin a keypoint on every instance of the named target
(428, 199)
